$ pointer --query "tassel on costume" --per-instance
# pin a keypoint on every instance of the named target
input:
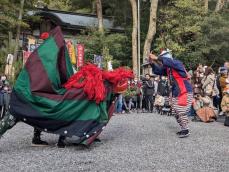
(7, 123)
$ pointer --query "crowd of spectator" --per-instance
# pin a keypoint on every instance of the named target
(152, 94)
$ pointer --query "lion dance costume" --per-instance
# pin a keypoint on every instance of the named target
(48, 96)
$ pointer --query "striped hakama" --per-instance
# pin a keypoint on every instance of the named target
(181, 112)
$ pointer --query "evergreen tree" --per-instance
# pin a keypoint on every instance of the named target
(193, 35)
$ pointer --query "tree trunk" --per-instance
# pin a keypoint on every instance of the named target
(134, 36)
(219, 5)
(18, 28)
(93, 8)
(152, 28)
(9, 42)
(206, 5)
(100, 15)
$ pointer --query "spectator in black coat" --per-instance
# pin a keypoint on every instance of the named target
(148, 92)
(163, 87)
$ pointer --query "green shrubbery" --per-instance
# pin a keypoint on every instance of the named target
(115, 45)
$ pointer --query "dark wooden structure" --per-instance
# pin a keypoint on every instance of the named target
(70, 23)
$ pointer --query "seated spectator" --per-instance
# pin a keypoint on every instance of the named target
(204, 109)
(225, 105)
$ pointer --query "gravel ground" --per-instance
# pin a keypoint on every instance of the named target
(133, 142)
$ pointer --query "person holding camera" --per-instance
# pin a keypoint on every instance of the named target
(182, 96)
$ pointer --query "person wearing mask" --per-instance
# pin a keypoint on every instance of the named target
(4, 80)
(163, 87)
(148, 92)
(166, 65)
(139, 94)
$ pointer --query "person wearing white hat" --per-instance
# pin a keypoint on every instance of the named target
(181, 87)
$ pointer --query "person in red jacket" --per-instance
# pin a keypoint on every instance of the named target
(181, 87)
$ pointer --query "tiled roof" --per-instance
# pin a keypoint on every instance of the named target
(77, 19)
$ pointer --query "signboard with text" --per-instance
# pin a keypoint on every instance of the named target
(80, 55)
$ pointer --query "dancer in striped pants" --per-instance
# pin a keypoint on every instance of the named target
(181, 87)
(181, 112)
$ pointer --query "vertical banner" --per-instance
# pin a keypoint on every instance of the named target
(80, 55)
(71, 51)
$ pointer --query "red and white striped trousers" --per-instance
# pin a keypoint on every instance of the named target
(181, 112)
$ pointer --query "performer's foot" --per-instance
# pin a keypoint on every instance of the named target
(61, 145)
(184, 133)
(179, 132)
(97, 140)
(37, 138)
(61, 142)
(38, 142)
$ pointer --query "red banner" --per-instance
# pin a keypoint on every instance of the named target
(80, 55)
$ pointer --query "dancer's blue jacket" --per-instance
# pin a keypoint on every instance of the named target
(177, 74)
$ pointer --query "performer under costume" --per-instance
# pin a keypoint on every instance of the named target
(48, 96)
(181, 87)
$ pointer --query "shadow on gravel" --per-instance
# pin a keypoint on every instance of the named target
(171, 126)
(220, 119)
(29, 148)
